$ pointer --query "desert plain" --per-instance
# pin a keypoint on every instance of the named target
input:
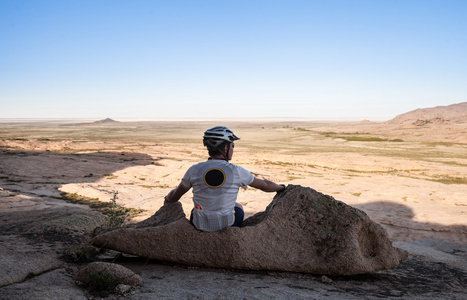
(411, 179)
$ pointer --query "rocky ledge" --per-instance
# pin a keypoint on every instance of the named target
(301, 230)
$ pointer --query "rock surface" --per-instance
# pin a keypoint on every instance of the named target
(32, 241)
(301, 230)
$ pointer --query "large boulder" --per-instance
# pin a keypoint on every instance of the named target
(301, 230)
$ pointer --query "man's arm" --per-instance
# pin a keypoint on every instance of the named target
(266, 185)
(175, 194)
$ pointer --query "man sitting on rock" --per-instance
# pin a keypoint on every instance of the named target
(216, 182)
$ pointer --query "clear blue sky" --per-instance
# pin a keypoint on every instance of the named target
(230, 59)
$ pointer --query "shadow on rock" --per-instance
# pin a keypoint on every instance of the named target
(398, 220)
(36, 226)
(24, 170)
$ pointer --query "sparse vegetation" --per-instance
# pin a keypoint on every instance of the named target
(365, 139)
(357, 137)
(115, 215)
(301, 129)
(274, 163)
(450, 179)
(155, 186)
(78, 199)
(98, 282)
(79, 253)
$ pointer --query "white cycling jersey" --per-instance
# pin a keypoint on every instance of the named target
(215, 187)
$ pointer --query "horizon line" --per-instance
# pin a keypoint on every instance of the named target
(191, 119)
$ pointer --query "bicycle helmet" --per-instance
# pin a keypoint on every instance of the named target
(218, 135)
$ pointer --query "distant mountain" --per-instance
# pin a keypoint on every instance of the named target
(455, 113)
(100, 122)
(104, 121)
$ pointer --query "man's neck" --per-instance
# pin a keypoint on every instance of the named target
(218, 157)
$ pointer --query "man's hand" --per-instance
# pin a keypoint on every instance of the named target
(283, 185)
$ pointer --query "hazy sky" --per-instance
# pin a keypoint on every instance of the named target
(230, 59)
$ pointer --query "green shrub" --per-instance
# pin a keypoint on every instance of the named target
(115, 215)
(80, 253)
(98, 282)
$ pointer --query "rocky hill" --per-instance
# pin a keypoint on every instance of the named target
(99, 122)
(105, 121)
(455, 113)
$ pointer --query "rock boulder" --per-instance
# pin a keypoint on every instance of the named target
(118, 273)
(301, 230)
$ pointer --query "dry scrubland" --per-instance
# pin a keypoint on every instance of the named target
(411, 179)
(415, 186)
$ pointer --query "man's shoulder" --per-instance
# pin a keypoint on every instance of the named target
(240, 168)
(217, 163)
(202, 164)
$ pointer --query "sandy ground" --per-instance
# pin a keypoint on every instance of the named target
(398, 184)
(414, 187)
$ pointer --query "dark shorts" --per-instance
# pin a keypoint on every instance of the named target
(239, 215)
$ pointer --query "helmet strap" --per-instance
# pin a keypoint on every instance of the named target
(226, 154)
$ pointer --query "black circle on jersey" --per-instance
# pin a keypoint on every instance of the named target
(214, 178)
